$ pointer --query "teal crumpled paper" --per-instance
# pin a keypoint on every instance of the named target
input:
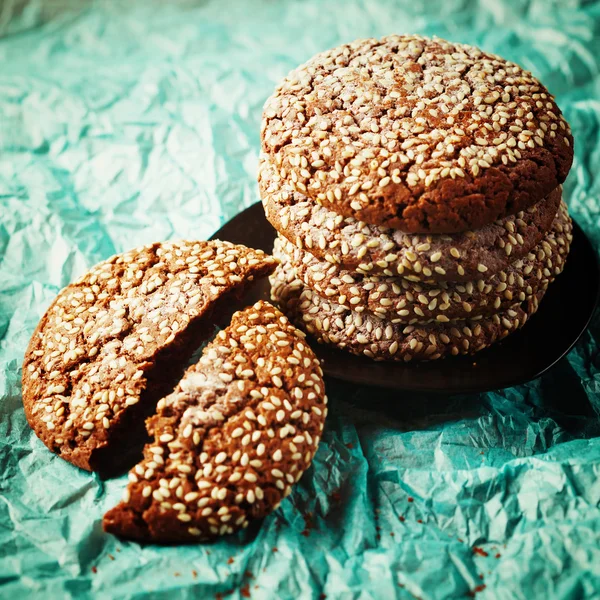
(128, 122)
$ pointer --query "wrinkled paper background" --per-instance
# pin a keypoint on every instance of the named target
(123, 123)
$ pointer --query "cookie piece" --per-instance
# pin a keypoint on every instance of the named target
(371, 250)
(101, 355)
(403, 301)
(241, 427)
(417, 134)
(379, 339)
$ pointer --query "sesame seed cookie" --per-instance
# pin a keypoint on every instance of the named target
(109, 341)
(239, 430)
(379, 339)
(372, 250)
(417, 134)
(403, 301)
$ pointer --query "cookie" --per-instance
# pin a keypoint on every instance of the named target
(371, 250)
(417, 134)
(403, 301)
(109, 342)
(239, 430)
(379, 339)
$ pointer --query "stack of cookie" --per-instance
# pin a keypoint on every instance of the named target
(415, 188)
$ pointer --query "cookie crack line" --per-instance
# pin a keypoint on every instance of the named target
(421, 135)
(72, 378)
(93, 355)
(119, 335)
(228, 415)
(147, 515)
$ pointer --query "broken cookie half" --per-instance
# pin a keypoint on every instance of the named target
(240, 428)
(118, 339)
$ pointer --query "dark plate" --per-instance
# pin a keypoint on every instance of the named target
(563, 316)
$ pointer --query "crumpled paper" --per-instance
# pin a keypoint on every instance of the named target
(126, 123)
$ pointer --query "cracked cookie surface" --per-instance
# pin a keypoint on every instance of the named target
(239, 430)
(91, 360)
(417, 134)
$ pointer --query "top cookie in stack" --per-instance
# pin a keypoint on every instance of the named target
(420, 135)
(415, 161)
